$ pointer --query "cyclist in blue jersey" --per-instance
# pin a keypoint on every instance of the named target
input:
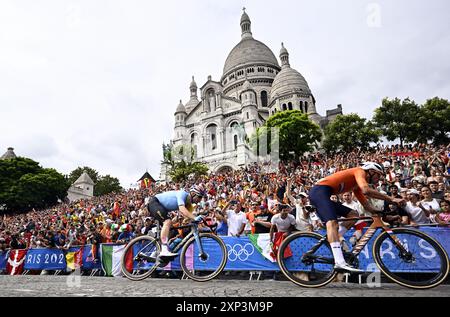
(160, 205)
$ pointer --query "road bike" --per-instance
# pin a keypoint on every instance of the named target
(408, 257)
(203, 255)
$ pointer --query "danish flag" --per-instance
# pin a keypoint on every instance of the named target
(15, 262)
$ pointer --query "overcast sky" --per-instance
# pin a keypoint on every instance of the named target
(96, 83)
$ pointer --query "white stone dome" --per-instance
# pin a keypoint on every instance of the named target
(288, 81)
(249, 51)
(181, 108)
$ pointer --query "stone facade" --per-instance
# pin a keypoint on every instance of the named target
(83, 188)
(252, 88)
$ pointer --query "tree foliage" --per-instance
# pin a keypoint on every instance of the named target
(398, 119)
(349, 131)
(182, 170)
(103, 185)
(76, 173)
(297, 134)
(434, 121)
(25, 185)
(107, 184)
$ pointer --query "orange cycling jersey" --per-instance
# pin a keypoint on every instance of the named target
(349, 180)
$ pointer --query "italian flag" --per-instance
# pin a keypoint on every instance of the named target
(262, 243)
(111, 256)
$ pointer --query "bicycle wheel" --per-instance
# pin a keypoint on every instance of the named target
(303, 267)
(424, 266)
(139, 257)
(202, 268)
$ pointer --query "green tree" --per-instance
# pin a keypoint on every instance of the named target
(182, 170)
(107, 184)
(349, 131)
(76, 173)
(398, 119)
(434, 121)
(297, 134)
(25, 185)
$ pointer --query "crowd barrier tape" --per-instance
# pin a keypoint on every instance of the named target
(242, 254)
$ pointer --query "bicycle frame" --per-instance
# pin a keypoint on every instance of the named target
(194, 233)
(377, 223)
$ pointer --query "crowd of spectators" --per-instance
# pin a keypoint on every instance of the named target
(246, 201)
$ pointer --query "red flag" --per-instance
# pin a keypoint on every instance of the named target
(116, 209)
(278, 239)
(15, 262)
(129, 260)
(78, 258)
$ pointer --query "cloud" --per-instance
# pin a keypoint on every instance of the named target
(96, 83)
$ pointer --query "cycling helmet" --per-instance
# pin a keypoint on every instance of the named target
(198, 190)
(373, 166)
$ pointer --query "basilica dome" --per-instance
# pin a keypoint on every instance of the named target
(249, 51)
(288, 80)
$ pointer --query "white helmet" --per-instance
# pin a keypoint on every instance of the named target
(373, 166)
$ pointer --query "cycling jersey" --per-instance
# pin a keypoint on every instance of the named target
(174, 199)
(162, 204)
(349, 180)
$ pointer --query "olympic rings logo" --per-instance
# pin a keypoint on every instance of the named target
(239, 251)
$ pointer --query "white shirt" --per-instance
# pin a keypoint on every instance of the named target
(416, 213)
(283, 224)
(355, 206)
(271, 203)
(433, 204)
(235, 222)
(301, 223)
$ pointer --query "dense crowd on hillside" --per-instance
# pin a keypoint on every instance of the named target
(245, 201)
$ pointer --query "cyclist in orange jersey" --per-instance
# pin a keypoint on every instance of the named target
(356, 180)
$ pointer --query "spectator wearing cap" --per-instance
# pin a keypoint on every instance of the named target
(417, 214)
(272, 203)
(235, 218)
(300, 212)
(250, 214)
(148, 226)
(126, 233)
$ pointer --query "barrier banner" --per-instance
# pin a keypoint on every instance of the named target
(243, 255)
(3, 260)
(45, 259)
(91, 258)
(426, 258)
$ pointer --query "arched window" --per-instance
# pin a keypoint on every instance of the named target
(284, 107)
(264, 100)
(306, 106)
(212, 133)
(194, 142)
(301, 106)
(290, 106)
(235, 140)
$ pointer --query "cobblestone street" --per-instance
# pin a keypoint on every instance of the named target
(18, 286)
